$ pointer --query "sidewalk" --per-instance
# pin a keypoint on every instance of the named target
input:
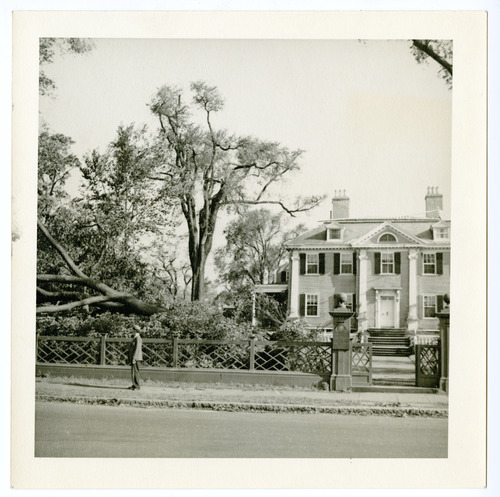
(239, 398)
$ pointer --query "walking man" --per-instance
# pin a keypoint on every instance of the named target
(135, 356)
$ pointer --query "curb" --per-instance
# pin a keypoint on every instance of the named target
(400, 412)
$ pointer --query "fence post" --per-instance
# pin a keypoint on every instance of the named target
(252, 353)
(444, 328)
(175, 358)
(102, 355)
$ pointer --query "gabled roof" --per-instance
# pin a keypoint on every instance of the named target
(358, 231)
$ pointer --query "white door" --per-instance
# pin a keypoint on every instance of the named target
(386, 312)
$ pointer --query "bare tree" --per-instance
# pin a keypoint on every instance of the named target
(213, 169)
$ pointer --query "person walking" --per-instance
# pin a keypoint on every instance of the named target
(135, 356)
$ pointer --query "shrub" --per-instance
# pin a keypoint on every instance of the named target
(294, 330)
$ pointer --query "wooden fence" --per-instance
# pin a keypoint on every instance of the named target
(251, 355)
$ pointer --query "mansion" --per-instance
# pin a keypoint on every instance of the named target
(392, 272)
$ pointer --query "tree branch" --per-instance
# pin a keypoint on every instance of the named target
(427, 49)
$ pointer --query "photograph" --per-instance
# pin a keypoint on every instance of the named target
(243, 246)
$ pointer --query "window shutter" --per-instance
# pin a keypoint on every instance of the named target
(302, 263)
(439, 299)
(353, 302)
(439, 263)
(321, 263)
(397, 262)
(302, 304)
(336, 263)
(377, 262)
(420, 306)
(354, 262)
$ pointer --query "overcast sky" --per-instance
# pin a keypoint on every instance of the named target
(371, 120)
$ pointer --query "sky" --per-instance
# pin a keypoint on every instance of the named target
(370, 119)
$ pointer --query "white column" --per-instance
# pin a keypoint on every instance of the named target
(294, 284)
(362, 274)
(412, 291)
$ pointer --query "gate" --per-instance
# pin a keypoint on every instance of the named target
(427, 365)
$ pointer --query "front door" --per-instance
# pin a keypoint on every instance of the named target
(386, 312)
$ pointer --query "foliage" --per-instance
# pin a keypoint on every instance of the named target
(48, 48)
(255, 248)
(294, 330)
(55, 162)
(121, 211)
(185, 320)
(441, 51)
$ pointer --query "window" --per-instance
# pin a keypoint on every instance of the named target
(429, 263)
(312, 305)
(312, 263)
(387, 263)
(334, 234)
(387, 238)
(432, 263)
(441, 233)
(346, 264)
(430, 304)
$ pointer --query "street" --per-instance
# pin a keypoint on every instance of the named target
(69, 430)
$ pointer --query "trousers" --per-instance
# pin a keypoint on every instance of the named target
(136, 378)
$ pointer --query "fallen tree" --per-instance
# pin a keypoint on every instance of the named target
(62, 299)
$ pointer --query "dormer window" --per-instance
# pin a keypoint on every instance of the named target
(441, 233)
(387, 238)
(334, 234)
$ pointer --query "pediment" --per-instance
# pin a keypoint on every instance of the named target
(386, 234)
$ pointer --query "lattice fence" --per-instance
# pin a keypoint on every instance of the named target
(213, 354)
(305, 357)
(361, 361)
(63, 351)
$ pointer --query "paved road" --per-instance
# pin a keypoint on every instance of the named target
(67, 430)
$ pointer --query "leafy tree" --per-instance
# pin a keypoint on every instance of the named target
(210, 169)
(255, 247)
(99, 236)
(48, 47)
(440, 51)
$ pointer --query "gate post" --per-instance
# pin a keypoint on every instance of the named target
(341, 377)
(444, 330)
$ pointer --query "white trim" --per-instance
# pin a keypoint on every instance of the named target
(424, 264)
(305, 305)
(352, 255)
(340, 230)
(393, 262)
(387, 233)
(388, 227)
(307, 263)
(424, 306)
(395, 294)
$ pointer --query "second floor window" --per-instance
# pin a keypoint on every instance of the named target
(429, 263)
(386, 263)
(346, 263)
(312, 264)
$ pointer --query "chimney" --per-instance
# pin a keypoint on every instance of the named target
(433, 202)
(340, 205)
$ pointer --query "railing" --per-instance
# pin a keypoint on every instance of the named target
(252, 355)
